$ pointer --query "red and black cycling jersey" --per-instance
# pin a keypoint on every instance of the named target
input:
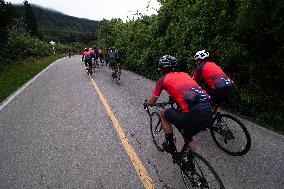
(212, 75)
(184, 91)
(87, 55)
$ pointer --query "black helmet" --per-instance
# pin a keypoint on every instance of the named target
(167, 62)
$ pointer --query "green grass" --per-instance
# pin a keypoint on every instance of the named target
(18, 73)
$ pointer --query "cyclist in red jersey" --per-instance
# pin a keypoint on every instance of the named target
(87, 58)
(221, 87)
(195, 105)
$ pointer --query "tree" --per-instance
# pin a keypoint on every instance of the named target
(6, 15)
(30, 21)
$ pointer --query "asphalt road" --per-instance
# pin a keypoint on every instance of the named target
(56, 133)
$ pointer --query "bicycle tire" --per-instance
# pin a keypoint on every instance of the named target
(117, 77)
(157, 131)
(198, 178)
(226, 132)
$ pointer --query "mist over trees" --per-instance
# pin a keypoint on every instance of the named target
(61, 28)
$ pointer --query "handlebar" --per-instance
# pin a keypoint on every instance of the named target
(161, 105)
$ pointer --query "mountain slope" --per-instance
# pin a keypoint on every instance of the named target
(62, 28)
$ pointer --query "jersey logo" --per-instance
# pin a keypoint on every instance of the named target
(222, 82)
(195, 96)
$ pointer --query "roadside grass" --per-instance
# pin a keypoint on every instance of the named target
(18, 73)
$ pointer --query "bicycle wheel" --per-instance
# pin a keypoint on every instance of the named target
(156, 130)
(198, 173)
(90, 71)
(230, 135)
(117, 73)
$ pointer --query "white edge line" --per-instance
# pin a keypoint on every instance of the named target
(14, 94)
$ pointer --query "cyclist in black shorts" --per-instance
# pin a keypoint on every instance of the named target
(87, 58)
(194, 103)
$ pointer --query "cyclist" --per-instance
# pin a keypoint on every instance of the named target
(221, 87)
(194, 104)
(70, 53)
(87, 58)
(101, 55)
(112, 59)
(93, 55)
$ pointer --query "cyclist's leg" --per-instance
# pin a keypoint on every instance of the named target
(169, 144)
(198, 121)
(89, 67)
(219, 96)
(190, 123)
(212, 94)
(167, 126)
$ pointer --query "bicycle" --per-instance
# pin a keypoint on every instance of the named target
(196, 171)
(116, 73)
(94, 65)
(89, 68)
(229, 133)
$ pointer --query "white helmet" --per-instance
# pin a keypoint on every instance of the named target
(201, 55)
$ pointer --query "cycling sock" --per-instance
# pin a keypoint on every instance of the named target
(170, 142)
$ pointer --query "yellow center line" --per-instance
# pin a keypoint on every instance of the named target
(140, 169)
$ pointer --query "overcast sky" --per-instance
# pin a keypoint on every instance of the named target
(97, 9)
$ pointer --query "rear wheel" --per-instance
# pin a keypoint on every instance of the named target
(197, 172)
(117, 73)
(156, 130)
(230, 135)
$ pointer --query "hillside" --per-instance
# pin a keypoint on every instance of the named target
(62, 28)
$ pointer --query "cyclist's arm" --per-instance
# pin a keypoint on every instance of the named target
(197, 74)
(156, 93)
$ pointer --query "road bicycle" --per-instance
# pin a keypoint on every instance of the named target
(229, 133)
(94, 65)
(116, 73)
(196, 171)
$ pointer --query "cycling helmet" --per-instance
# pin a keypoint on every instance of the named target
(86, 49)
(167, 62)
(201, 55)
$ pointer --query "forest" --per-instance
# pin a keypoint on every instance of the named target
(26, 30)
(61, 28)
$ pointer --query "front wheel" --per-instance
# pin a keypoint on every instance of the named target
(230, 135)
(197, 172)
(156, 130)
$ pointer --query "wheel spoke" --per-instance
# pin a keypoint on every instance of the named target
(200, 174)
(230, 135)
(156, 131)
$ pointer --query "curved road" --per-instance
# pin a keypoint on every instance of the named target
(57, 133)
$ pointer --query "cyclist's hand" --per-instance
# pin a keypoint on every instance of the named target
(145, 103)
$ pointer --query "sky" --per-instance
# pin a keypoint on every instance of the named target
(97, 9)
